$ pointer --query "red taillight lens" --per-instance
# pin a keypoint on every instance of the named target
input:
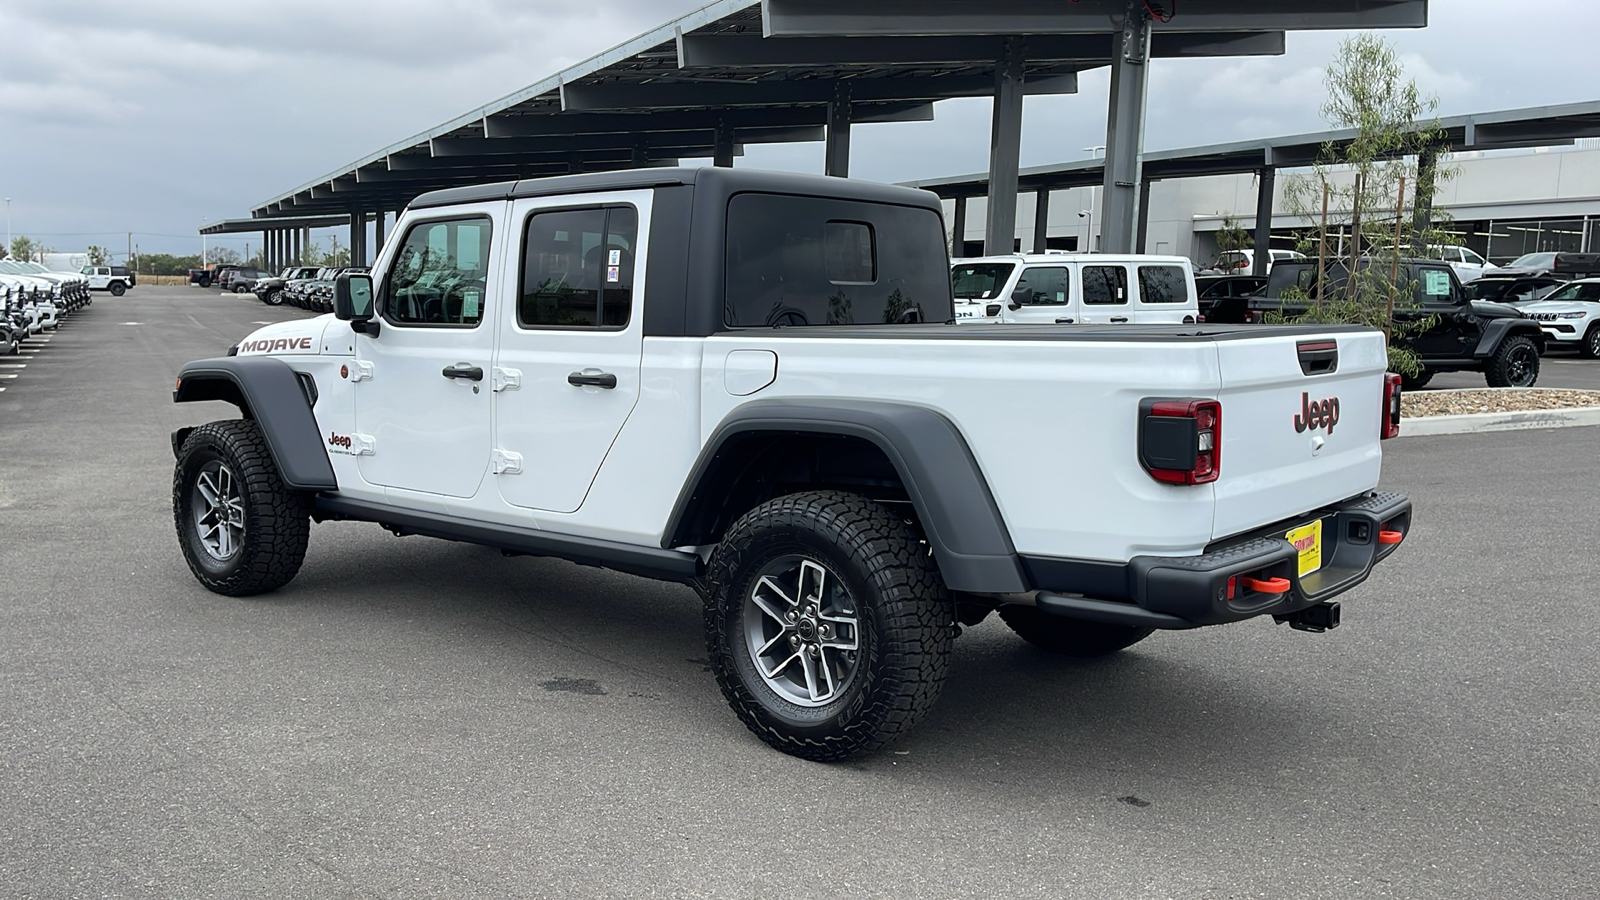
(1180, 441)
(1391, 406)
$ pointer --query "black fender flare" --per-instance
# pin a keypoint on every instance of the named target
(267, 390)
(1497, 330)
(958, 512)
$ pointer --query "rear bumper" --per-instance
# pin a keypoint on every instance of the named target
(1210, 589)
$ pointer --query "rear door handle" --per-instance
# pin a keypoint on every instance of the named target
(1117, 320)
(1063, 321)
(464, 370)
(585, 379)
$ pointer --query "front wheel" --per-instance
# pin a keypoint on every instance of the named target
(1590, 348)
(272, 298)
(1070, 637)
(241, 530)
(827, 624)
(117, 290)
(1515, 363)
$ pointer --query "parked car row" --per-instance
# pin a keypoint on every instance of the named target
(307, 287)
(34, 300)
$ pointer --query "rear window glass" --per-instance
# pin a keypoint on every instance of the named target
(1105, 285)
(822, 261)
(577, 268)
(1162, 284)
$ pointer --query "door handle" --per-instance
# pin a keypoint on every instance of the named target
(464, 370)
(601, 380)
(1117, 320)
(1063, 321)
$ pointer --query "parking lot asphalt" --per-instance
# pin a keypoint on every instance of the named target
(1558, 368)
(415, 718)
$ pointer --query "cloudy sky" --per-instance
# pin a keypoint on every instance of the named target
(154, 116)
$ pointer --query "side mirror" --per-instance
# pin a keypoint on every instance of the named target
(1020, 296)
(352, 301)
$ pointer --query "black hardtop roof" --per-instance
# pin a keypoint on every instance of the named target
(720, 180)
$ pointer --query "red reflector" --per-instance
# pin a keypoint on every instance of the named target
(1268, 586)
(1390, 537)
(1391, 407)
(1233, 586)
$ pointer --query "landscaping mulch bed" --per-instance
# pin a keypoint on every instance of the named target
(1417, 404)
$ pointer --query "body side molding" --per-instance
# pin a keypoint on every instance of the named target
(267, 390)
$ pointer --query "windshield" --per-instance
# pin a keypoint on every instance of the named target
(1583, 291)
(1534, 261)
(979, 281)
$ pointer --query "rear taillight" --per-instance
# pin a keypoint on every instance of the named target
(1180, 441)
(1391, 406)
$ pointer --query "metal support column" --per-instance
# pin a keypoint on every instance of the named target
(836, 153)
(1119, 200)
(1267, 180)
(1422, 206)
(958, 232)
(1041, 220)
(722, 155)
(641, 154)
(295, 247)
(1005, 151)
(1142, 231)
(358, 220)
(377, 233)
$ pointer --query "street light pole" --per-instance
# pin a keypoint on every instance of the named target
(202, 243)
(1094, 152)
(8, 224)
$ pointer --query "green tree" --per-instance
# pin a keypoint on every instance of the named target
(1363, 188)
(98, 256)
(167, 264)
(1232, 236)
(223, 256)
(26, 248)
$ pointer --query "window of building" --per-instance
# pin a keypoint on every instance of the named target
(577, 268)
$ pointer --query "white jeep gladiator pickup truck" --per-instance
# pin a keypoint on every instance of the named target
(751, 383)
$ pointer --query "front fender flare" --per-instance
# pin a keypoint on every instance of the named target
(267, 390)
(1497, 330)
(947, 488)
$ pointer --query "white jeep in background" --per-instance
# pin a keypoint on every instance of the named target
(1570, 317)
(102, 278)
(1074, 289)
(744, 381)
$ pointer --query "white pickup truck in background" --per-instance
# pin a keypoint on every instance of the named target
(1075, 289)
(744, 381)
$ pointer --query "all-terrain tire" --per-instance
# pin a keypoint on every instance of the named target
(1412, 382)
(1515, 363)
(1070, 637)
(117, 289)
(903, 613)
(275, 521)
(1590, 348)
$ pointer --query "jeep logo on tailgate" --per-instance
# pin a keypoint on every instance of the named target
(1316, 414)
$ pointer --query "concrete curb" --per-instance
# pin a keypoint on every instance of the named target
(1478, 423)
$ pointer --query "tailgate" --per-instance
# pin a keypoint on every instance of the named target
(1277, 465)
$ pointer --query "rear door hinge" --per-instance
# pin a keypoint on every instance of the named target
(506, 463)
(506, 379)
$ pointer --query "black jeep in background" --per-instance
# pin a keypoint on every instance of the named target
(1468, 335)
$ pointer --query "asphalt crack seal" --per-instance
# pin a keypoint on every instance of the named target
(575, 686)
(1133, 801)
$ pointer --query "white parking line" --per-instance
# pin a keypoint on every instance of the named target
(13, 375)
(13, 365)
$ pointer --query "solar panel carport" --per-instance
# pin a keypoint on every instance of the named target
(756, 71)
(1539, 126)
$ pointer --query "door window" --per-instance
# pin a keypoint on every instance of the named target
(1162, 284)
(1436, 285)
(577, 268)
(1105, 285)
(1046, 286)
(439, 273)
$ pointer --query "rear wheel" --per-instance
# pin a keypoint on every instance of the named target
(1515, 363)
(241, 289)
(1070, 637)
(1590, 348)
(117, 289)
(827, 624)
(241, 530)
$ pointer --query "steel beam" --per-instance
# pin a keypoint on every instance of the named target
(836, 154)
(722, 154)
(958, 233)
(1266, 183)
(1119, 199)
(661, 121)
(1422, 203)
(1005, 151)
(1142, 231)
(687, 94)
(880, 18)
(733, 51)
(698, 138)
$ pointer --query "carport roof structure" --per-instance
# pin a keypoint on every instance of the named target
(748, 71)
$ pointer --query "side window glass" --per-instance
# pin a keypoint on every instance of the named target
(1162, 284)
(577, 268)
(1105, 285)
(439, 273)
(1046, 286)
(1436, 285)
